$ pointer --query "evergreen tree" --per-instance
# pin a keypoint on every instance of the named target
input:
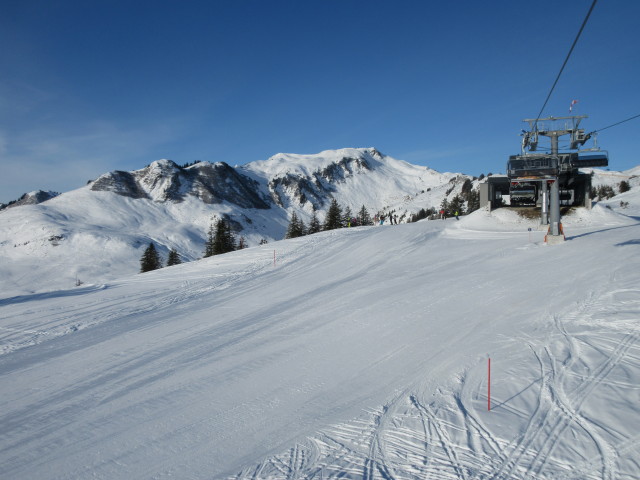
(314, 224)
(150, 259)
(363, 216)
(174, 258)
(473, 201)
(470, 196)
(605, 192)
(445, 206)
(456, 205)
(224, 239)
(242, 243)
(209, 245)
(334, 216)
(467, 186)
(624, 186)
(296, 227)
(422, 214)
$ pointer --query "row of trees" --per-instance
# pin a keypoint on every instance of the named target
(467, 201)
(220, 239)
(336, 218)
(423, 213)
(605, 192)
(151, 259)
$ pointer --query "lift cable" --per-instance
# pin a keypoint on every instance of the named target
(617, 123)
(535, 125)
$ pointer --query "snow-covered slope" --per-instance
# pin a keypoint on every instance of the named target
(355, 177)
(613, 178)
(97, 233)
(359, 353)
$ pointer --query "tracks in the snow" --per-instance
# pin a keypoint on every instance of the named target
(450, 436)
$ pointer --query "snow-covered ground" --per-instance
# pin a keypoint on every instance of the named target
(358, 353)
(98, 232)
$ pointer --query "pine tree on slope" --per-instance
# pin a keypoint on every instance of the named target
(334, 216)
(296, 227)
(174, 258)
(208, 246)
(314, 224)
(224, 239)
(473, 201)
(624, 186)
(456, 205)
(363, 216)
(150, 259)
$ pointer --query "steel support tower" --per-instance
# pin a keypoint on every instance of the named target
(541, 178)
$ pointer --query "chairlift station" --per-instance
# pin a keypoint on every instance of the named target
(550, 178)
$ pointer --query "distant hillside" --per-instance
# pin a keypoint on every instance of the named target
(98, 232)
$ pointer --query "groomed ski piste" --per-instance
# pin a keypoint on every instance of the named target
(354, 353)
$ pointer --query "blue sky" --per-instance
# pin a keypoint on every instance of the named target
(88, 87)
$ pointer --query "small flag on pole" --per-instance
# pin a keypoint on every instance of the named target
(573, 102)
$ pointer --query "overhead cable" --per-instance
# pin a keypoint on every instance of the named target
(617, 123)
(575, 41)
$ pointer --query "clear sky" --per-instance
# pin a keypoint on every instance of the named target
(87, 87)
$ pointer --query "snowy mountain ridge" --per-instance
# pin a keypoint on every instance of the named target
(165, 181)
(98, 232)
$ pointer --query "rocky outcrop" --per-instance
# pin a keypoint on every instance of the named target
(296, 188)
(215, 183)
(165, 181)
(32, 198)
(122, 183)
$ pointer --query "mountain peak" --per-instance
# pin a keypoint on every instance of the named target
(163, 164)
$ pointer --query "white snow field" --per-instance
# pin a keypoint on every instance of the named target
(99, 236)
(361, 353)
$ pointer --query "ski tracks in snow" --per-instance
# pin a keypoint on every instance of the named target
(586, 367)
(96, 304)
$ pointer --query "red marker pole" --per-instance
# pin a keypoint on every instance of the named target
(274, 258)
(489, 385)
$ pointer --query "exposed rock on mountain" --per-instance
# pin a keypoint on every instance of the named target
(164, 181)
(318, 187)
(215, 183)
(122, 183)
(32, 198)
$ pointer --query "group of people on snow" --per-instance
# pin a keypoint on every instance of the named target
(380, 219)
(443, 214)
(393, 219)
